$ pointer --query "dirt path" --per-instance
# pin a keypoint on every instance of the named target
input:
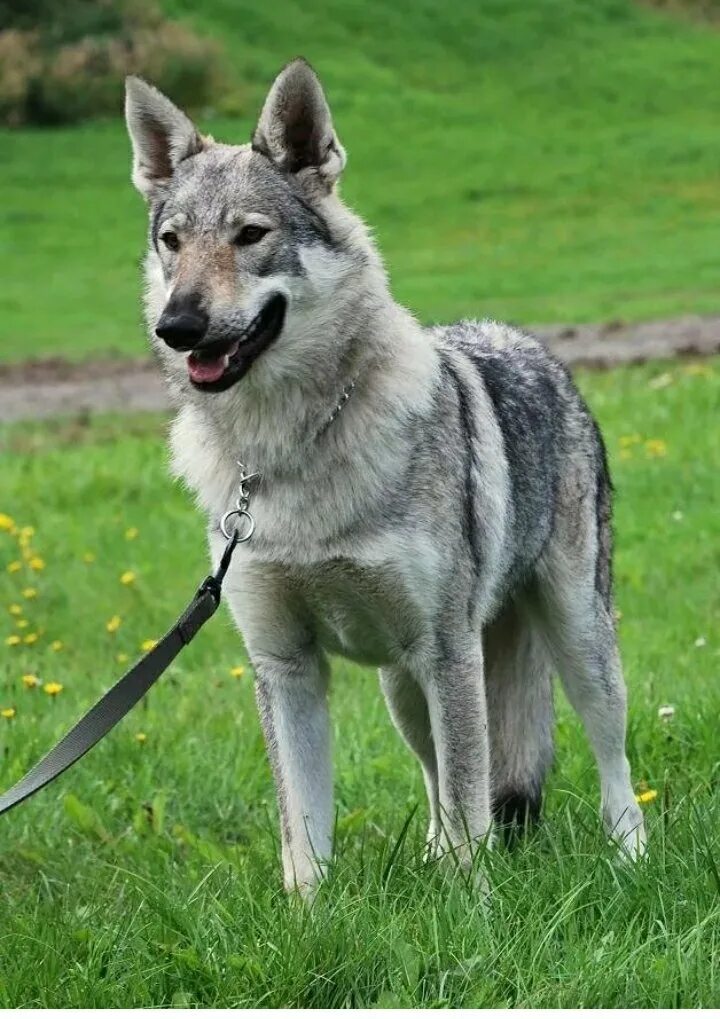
(43, 389)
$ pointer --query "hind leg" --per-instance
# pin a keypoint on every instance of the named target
(581, 635)
(409, 711)
(520, 718)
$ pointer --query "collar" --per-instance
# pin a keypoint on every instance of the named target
(345, 396)
(238, 524)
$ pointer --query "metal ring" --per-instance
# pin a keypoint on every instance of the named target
(238, 513)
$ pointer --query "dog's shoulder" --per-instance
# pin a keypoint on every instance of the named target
(514, 367)
(500, 346)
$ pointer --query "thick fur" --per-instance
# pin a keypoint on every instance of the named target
(451, 526)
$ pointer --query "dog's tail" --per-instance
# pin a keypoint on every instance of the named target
(518, 677)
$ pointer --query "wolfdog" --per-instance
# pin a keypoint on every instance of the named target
(431, 501)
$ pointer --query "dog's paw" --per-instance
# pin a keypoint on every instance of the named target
(303, 885)
(433, 847)
(461, 859)
(304, 894)
(628, 833)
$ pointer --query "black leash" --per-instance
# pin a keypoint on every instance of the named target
(120, 698)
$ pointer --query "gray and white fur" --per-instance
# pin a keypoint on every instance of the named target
(451, 526)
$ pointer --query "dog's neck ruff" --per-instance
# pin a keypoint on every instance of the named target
(239, 523)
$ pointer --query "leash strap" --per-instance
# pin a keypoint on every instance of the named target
(119, 699)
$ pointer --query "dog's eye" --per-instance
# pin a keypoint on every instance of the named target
(251, 234)
(171, 240)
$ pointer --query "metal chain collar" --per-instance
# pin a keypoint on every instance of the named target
(346, 394)
(244, 525)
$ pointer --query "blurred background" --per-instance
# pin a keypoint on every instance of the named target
(556, 161)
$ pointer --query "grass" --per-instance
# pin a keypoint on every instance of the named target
(149, 874)
(537, 162)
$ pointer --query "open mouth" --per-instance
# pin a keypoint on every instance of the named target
(218, 366)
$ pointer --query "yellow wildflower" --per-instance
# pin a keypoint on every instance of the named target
(647, 797)
(140, 737)
(36, 563)
(88, 557)
(57, 645)
(113, 624)
(131, 533)
(629, 440)
(237, 671)
(7, 712)
(21, 624)
(148, 645)
(655, 447)
(697, 368)
(6, 523)
(29, 592)
(12, 640)
(15, 610)
(14, 567)
(128, 577)
(122, 657)
(53, 689)
(30, 681)
(30, 638)
(27, 532)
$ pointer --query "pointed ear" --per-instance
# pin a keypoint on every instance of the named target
(161, 135)
(295, 129)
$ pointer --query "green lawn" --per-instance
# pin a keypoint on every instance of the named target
(538, 162)
(149, 875)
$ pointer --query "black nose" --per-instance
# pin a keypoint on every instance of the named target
(182, 325)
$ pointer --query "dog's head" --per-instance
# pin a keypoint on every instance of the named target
(251, 250)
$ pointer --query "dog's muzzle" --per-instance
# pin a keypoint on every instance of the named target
(217, 364)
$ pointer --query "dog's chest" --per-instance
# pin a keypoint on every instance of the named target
(373, 610)
(370, 614)
(313, 567)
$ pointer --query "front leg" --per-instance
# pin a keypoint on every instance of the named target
(292, 699)
(291, 690)
(455, 691)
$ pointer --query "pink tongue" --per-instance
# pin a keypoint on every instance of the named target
(205, 371)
